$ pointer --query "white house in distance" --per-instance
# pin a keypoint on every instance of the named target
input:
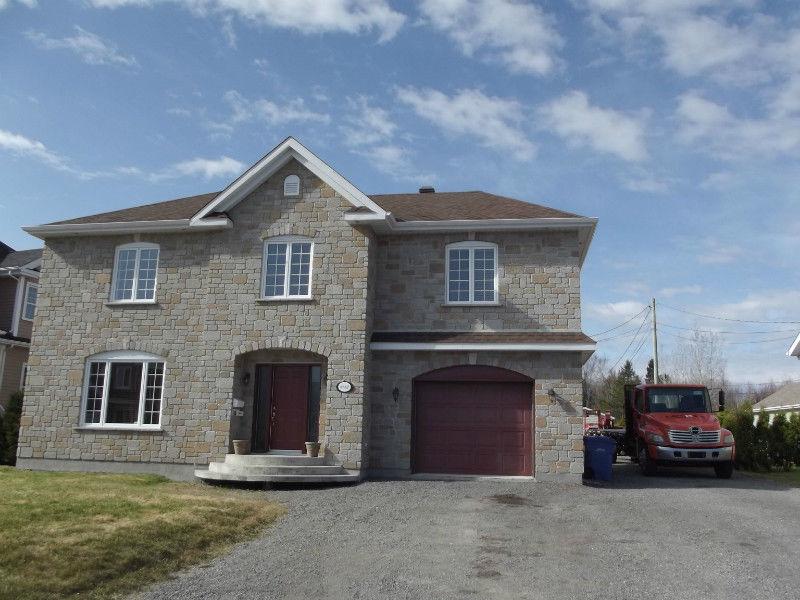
(787, 399)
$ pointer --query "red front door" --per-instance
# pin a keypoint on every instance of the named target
(289, 407)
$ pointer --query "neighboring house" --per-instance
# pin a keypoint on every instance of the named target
(19, 278)
(794, 349)
(786, 401)
(426, 333)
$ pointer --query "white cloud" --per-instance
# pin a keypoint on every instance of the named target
(669, 292)
(495, 122)
(261, 109)
(208, 168)
(646, 184)
(706, 37)
(28, 3)
(517, 34)
(92, 49)
(574, 119)
(708, 124)
(369, 131)
(716, 253)
(616, 310)
(19, 145)
(305, 16)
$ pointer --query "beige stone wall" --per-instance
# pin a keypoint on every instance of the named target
(538, 281)
(207, 313)
(557, 421)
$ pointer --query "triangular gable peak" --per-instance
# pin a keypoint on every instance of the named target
(289, 149)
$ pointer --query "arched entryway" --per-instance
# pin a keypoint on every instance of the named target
(473, 419)
(278, 398)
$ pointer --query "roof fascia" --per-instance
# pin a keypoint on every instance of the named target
(274, 160)
(794, 349)
(478, 346)
(165, 226)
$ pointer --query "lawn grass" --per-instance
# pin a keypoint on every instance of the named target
(102, 535)
(788, 478)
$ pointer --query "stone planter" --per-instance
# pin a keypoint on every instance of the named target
(241, 446)
(312, 449)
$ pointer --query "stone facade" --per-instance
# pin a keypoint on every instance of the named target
(207, 313)
(210, 327)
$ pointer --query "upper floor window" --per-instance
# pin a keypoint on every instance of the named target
(287, 268)
(123, 390)
(291, 186)
(135, 267)
(471, 273)
(29, 305)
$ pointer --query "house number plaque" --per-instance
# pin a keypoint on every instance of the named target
(344, 386)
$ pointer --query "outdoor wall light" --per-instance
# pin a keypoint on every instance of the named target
(551, 392)
(396, 394)
(246, 378)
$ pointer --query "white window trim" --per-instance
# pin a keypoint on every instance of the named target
(299, 186)
(111, 357)
(289, 240)
(138, 246)
(471, 246)
(28, 286)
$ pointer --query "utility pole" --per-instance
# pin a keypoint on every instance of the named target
(655, 345)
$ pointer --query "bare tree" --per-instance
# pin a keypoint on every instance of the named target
(699, 360)
(595, 375)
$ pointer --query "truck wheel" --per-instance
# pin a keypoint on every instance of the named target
(724, 470)
(646, 465)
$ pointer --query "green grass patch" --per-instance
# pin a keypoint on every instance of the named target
(102, 535)
(788, 478)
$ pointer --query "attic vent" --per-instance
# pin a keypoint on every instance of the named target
(291, 186)
(426, 190)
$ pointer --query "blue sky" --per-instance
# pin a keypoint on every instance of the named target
(676, 122)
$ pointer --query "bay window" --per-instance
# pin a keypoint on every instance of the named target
(123, 390)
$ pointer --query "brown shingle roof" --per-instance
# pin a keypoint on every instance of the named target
(469, 206)
(439, 206)
(20, 258)
(180, 208)
(485, 337)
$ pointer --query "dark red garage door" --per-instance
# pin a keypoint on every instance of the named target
(479, 423)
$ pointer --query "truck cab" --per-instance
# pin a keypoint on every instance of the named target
(675, 425)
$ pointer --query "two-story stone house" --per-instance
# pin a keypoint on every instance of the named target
(19, 277)
(408, 333)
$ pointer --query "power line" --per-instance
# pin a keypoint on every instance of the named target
(726, 332)
(631, 331)
(621, 324)
(688, 312)
(780, 339)
(644, 320)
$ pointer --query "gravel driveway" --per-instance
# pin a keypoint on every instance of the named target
(684, 536)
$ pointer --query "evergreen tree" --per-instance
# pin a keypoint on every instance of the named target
(625, 376)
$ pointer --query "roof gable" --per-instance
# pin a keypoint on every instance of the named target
(290, 148)
(788, 395)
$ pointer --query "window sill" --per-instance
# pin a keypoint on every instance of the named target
(131, 303)
(85, 428)
(287, 299)
(471, 304)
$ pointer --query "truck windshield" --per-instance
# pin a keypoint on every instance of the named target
(681, 400)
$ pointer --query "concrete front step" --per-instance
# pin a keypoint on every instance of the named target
(274, 460)
(249, 469)
(307, 478)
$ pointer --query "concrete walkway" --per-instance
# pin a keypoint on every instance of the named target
(687, 536)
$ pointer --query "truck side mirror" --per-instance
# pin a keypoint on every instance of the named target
(721, 399)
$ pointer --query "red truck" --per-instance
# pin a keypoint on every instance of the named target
(674, 425)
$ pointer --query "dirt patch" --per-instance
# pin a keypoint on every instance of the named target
(513, 500)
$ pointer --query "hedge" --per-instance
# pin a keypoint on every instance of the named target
(762, 446)
(10, 430)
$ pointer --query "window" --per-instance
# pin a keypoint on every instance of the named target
(471, 273)
(29, 306)
(123, 390)
(291, 186)
(135, 267)
(287, 268)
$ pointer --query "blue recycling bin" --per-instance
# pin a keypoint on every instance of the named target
(599, 456)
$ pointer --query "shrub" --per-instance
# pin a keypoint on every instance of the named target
(11, 429)
(778, 446)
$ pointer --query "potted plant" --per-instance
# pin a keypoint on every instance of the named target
(312, 449)
(241, 446)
